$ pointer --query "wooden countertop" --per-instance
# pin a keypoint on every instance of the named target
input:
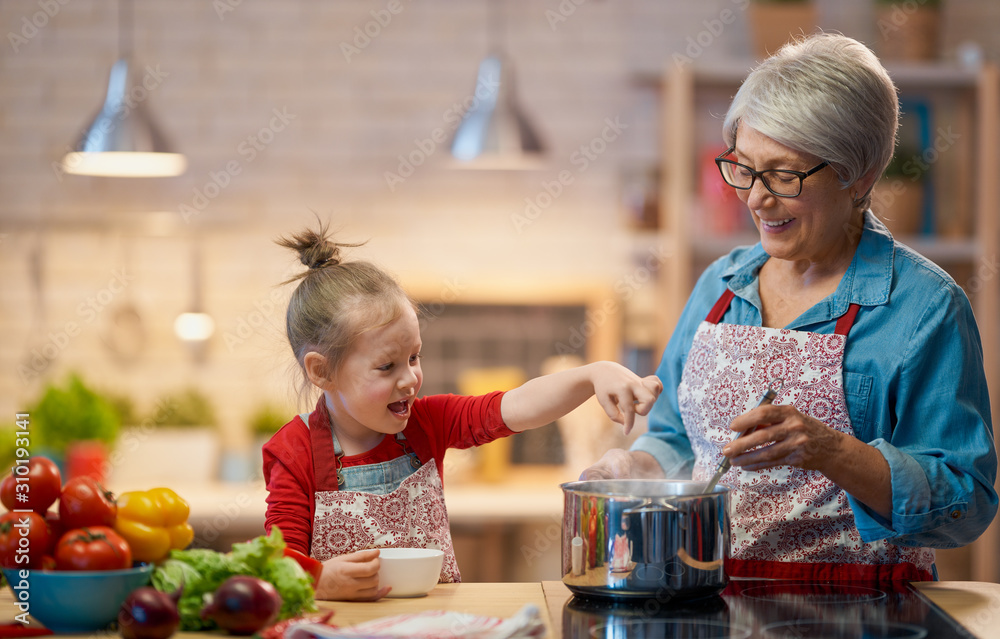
(976, 605)
(487, 599)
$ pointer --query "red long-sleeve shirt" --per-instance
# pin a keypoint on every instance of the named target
(437, 423)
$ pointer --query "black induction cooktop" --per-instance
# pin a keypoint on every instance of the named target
(768, 609)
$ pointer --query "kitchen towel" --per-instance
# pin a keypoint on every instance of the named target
(435, 624)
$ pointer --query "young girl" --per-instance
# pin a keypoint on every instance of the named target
(364, 469)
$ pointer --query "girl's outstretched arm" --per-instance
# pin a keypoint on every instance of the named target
(540, 401)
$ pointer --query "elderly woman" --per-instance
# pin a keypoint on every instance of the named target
(878, 446)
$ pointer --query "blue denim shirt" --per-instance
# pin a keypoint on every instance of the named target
(913, 377)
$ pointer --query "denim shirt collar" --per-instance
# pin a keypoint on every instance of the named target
(866, 282)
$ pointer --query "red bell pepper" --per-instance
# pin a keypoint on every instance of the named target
(312, 566)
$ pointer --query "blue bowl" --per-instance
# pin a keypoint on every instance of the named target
(75, 600)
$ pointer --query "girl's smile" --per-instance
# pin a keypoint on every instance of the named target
(401, 408)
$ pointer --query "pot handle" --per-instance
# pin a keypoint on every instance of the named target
(648, 506)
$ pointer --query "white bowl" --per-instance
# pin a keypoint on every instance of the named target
(412, 572)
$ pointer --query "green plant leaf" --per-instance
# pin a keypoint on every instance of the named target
(267, 419)
(73, 412)
(189, 407)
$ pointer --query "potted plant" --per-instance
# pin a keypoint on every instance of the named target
(265, 422)
(775, 22)
(898, 198)
(178, 442)
(908, 30)
(75, 425)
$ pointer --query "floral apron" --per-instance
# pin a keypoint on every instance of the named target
(786, 522)
(411, 515)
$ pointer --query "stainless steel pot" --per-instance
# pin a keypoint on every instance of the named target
(643, 538)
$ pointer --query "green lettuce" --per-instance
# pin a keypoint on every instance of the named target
(294, 584)
(200, 572)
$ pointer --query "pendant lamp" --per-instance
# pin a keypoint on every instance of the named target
(495, 133)
(123, 140)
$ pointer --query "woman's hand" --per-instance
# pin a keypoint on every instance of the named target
(623, 394)
(784, 436)
(624, 464)
(351, 577)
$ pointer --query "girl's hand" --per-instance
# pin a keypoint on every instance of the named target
(539, 401)
(351, 577)
(623, 394)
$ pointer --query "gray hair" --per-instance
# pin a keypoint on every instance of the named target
(826, 95)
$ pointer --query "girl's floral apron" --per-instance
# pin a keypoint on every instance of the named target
(786, 522)
(411, 515)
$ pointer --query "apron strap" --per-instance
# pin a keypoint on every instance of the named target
(324, 456)
(846, 320)
(720, 308)
(844, 323)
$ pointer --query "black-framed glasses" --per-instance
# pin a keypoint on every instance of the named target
(780, 182)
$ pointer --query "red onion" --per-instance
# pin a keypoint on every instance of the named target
(148, 613)
(243, 605)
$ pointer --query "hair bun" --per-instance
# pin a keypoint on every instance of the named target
(315, 248)
(326, 261)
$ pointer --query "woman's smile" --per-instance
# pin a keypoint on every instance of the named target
(775, 226)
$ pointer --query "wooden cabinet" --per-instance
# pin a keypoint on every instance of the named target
(961, 233)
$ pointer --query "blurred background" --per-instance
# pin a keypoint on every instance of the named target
(147, 312)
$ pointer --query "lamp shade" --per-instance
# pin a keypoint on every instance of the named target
(495, 133)
(123, 140)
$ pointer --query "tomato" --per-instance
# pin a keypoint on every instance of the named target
(24, 540)
(84, 502)
(93, 548)
(35, 490)
(56, 530)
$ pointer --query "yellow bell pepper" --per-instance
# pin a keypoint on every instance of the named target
(153, 522)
